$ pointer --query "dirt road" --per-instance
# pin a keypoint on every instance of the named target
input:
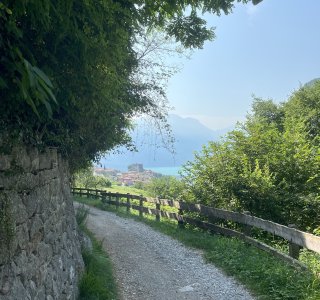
(150, 266)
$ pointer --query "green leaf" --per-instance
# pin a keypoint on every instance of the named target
(28, 67)
(48, 91)
(43, 76)
(32, 104)
(48, 107)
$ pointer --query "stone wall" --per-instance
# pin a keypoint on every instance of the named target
(40, 255)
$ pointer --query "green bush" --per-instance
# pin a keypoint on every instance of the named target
(268, 165)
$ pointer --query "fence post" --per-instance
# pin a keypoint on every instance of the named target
(103, 197)
(88, 193)
(80, 192)
(128, 203)
(141, 207)
(96, 194)
(109, 197)
(247, 229)
(180, 218)
(158, 208)
(117, 201)
(294, 249)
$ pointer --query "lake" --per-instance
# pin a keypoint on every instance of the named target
(170, 171)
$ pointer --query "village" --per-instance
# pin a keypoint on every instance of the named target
(135, 174)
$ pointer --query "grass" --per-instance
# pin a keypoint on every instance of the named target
(267, 277)
(126, 189)
(97, 281)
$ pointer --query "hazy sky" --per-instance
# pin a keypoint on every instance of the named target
(267, 50)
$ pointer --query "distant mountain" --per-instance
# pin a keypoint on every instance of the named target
(189, 128)
(190, 136)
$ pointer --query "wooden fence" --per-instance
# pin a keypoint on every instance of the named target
(178, 210)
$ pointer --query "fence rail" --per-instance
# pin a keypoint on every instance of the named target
(297, 239)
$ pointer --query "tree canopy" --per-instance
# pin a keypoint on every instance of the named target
(165, 187)
(68, 68)
(269, 165)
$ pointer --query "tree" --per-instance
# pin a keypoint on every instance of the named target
(86, 179)
(166, 187)
(68, 69)
(305, 105)
(87, 52)
(269, 165)
(267, 111)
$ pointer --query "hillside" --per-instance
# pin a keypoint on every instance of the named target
(189, 135)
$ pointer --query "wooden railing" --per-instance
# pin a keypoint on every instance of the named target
(178, 210)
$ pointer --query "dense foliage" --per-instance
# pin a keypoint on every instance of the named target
(86, 51)
(165, 187)
(85, 178)
(269, 165)
(68, 68)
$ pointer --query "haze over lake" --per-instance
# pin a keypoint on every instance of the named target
(190, 135)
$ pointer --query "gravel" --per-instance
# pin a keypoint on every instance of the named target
(150, 265)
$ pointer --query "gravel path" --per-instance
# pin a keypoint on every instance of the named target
(150, 265)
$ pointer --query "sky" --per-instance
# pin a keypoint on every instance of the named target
(268, 50)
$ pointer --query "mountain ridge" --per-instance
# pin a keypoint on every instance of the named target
(190, 135)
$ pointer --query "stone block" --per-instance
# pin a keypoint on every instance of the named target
(46, 176)
(22, 236)
(48, 160)
(18, 209)
(18, 290)
(25, 163)
(3, 254)
(33, 266)
(54, 157)
(25, 182)
(44, 162)
(41, 294)
(34, 158)
(21, 262)
(5, 286)
(55, 289)
(36, 226)
(48, 282)
(30, 201)
(5, 162)
(44, 252)
(32, 289)
(35, 163)
(21, 159)
(43, 197)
